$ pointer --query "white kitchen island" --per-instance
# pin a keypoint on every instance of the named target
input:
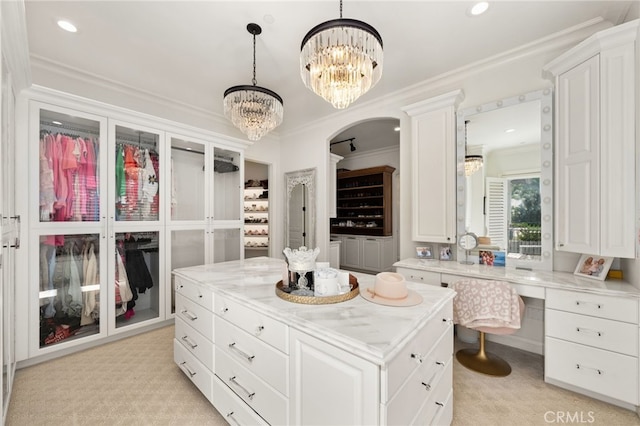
(262, 360)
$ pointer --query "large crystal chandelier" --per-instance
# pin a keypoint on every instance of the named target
(253, 109)
(341, 59)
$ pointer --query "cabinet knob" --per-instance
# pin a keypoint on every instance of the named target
(418, 357)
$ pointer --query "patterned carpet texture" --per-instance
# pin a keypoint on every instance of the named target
(134, 382)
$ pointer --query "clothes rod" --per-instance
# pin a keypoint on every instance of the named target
(59, 128)
(193, 151)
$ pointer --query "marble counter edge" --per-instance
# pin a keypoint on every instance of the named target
(546, 279)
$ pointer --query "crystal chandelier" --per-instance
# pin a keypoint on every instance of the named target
(253, 109)
(341, 59)
(472, 163)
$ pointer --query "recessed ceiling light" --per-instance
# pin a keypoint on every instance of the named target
(510, 130)
(67, 26)
(396, 129)
(479, 8)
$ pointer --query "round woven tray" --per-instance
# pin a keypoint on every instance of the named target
(319, 300)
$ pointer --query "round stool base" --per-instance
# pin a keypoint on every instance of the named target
(483, 362)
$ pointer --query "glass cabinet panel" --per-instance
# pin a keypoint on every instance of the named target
(226, 245)
(137, 293)
(227, 191)
(137, 175)
(187, 249)
(69, 292)
(69, 168)
(188, 201)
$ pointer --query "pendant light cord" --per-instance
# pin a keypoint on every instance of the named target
(340, 9)
(254, 81)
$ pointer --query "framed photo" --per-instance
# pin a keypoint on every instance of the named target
(445, 253)
(595, 267)
(424, 253)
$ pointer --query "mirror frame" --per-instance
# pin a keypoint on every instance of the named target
(545, 96)
(302, 177)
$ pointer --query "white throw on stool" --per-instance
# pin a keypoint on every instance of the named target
(488, 307)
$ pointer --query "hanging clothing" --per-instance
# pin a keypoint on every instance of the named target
(90, 274)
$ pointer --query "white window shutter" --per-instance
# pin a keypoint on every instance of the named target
(497, 211)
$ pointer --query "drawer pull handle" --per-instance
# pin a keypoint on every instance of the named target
(230, 416)
(225, 310)
(586, 330)
(259, 329)
(440, 404)
(189, 315)
(233, 380)
(449, 321)
(242, 353)
(597, 370)
(200, 295)
(186, 367)
(189, 342)
(418, 358)
(426, 385)
(440, 363)
(579, 302)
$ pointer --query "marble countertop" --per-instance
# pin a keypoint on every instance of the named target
(546, 279)
(369, 330)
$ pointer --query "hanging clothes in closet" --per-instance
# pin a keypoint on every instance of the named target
(136, 182)
(133, 277)
(68, 178)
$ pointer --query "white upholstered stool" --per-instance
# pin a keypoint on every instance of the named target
(488, 307)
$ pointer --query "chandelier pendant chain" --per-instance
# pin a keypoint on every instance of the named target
(254, 81)
(340, 9)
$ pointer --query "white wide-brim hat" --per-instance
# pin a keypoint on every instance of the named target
(390, 289)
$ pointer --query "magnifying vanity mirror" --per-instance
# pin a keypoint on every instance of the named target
(300, 209)
(507, 197)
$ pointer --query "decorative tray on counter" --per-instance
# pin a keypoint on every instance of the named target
(319, 300)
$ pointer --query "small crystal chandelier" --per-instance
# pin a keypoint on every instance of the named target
(341, 59)
(472, 163)
(253, 109)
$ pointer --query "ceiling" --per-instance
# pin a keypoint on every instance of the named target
(189, 52)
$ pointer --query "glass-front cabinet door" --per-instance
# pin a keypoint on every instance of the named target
(227, 188)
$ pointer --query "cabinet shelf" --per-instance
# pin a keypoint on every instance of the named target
(364, 198)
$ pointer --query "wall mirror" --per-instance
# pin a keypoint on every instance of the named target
(509, 197)
(300, 209)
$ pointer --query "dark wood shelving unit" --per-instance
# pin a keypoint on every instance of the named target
(364, 202)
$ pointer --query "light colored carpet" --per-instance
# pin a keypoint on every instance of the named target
(135, 382)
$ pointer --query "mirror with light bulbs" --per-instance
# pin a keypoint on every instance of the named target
(508, 200)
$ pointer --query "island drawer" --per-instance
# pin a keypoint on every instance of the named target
(195, 316)
(438, 408)
(234, 410)
(422, 384)
(264, 399)
(597, 332)
(418, 349)
(604, 372)
(194, 342)
(194, 292)
(610, 307)
(200, 375)
(256, 324)
(256, 356)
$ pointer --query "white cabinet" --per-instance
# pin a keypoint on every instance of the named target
(433, 168)
(418, 276)
(591, 344)
(596, 92)
(109, 192)
(374, 254)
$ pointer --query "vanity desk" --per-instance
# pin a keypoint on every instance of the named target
(591, 327)
(260, 359)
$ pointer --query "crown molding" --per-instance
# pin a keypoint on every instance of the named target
(15, 46)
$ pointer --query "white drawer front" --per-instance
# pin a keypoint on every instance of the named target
(600, 371)
(264, 399)
(199, 294)
(601, 333)
(194, 370)
(261, 326)
(438, 409)
(422, 384)
(195, 316)
(418, 276)
(409, 359)
(194, 342)
(261, 359)
(232, 408)
(610, 307)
